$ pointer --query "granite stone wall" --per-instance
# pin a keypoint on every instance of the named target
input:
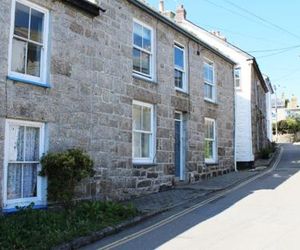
(89, 104)
(258, 112)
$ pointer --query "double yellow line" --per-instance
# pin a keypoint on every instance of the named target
(188, 210)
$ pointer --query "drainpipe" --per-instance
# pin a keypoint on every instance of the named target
(234, 123)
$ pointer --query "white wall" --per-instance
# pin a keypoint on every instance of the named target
(243, 116)
(269, 115)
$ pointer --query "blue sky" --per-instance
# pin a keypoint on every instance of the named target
(275, 27)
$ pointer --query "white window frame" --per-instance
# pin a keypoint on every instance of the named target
(152, 53)
(39, 199)
(44, 50)
(184, 75)
(237, 78)
(150, 159)
(212, 84)
(214, 140)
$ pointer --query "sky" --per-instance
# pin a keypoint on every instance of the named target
(268, 30)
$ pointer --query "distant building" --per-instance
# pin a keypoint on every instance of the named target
(293, 103)
(269, 107)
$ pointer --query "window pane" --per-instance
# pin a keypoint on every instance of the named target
(137, 117)
(145, 63)
(237, 73)
(136, 145)
(211, 75)
(21, 20)
(145, 145)
(178, 79)
(179, 60)
(32, 144)
(208, 91)
(146, 119)
(209, 129)
(29, 180)
(147, 39)
(138, 35)
(177, 116)
(18, 56)
(208, 73)
(209, 149)
(237, 77)
(34, 60)
(14, 175)
(36, 26)
(136, 60)
(16, 143)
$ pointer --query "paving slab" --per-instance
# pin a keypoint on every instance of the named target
(183, 193)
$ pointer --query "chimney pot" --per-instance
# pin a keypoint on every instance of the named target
(161, 6)
(180, 13)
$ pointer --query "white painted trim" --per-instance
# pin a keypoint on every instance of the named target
(153, 135)
(151, 76)
(185, 65)
(39, 199)
(213, 84)
(44, 51)
(215, 154)
(182, 163)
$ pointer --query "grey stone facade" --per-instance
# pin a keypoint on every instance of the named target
(258, 114)
(89, 104)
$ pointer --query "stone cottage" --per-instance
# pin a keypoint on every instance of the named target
(251, 94)
(150, 103)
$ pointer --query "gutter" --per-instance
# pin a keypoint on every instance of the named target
(176, 27)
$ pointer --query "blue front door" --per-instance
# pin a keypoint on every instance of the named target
(178, 145)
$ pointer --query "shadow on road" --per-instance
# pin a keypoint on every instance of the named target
(288, 166)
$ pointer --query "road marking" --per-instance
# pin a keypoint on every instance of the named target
(190, 209)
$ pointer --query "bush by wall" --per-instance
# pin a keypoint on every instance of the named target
(64, 171)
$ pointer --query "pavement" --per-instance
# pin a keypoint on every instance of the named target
(162, 201)
(259, 213)
(159, 206)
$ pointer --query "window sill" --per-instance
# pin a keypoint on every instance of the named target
(140, 77)
(210, 101)
(181, 91)
(15, 210)
(211, 163)
(144, 165)
(22, 80)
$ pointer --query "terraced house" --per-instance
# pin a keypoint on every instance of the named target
(252, 108)
(151, 103)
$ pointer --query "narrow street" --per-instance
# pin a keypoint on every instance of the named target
(263, 214)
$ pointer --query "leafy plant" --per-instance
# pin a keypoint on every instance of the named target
(265, 153)
(45, 229)
(64, 171)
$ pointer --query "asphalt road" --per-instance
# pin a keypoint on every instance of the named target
(263, 214)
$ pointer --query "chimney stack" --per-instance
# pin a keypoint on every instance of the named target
(161, 6)
(180, 13)
(219, 35)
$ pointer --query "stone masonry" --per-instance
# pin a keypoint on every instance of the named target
(258, 113)
(89, 104)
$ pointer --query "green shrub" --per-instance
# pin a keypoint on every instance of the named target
(45, 229)
(273, 146)
(64, 171)
(265, 153)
